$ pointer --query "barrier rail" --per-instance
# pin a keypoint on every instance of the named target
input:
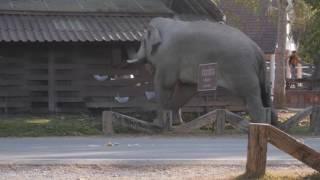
(262, 134)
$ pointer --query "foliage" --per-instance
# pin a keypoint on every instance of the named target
(299, 15)
(305, 20)
(310, 41)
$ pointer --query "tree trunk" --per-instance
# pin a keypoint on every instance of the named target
(279, 89)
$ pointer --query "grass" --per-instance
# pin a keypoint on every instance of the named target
(76, 125)
(55, 125)
(282, 175)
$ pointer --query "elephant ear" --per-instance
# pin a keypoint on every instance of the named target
(154, 39)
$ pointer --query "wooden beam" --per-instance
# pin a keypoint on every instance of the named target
(197, 123)
(237, 121)
(294, 148)
(294, 120)
(51, 83)
(121, 121)
(257, 150)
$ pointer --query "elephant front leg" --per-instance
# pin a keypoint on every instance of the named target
(177, 117)
(163, 96)
(177, 98)
(182, 94)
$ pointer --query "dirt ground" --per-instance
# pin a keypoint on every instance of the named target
(156, 172)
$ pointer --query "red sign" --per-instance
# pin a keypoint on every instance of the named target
(207, 78)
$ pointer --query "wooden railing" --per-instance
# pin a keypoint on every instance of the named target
(112, 121)
(262, 134)
(312, 111)
(217, 119)
(301, 83)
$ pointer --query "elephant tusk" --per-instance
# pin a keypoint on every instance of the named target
(130, 61)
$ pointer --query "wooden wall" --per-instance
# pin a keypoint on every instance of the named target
(302, 98)
(13, 93)
(59, 77)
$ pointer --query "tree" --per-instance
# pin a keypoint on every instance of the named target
(280, 77)
(279, 89)
(308, 37)
(306, 32)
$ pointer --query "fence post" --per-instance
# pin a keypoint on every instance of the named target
(107, 126)
(257, 150)
(220, 121)
(315, 120)
(167, 119)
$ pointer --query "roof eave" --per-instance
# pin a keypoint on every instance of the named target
(96, 13)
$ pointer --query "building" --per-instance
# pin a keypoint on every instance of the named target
(69, 55)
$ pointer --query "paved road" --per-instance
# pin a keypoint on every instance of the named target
(127, 149)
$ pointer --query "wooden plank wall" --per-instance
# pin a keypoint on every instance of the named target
(111, 62)
(13, 93)
(44, 78)
(302, 98)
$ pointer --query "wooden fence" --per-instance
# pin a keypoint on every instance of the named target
(259, 134)
(262, 134)
(302, 98)
(307, 84)
(302, 93)
(217, 119)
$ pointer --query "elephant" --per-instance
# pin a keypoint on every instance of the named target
(176, 48)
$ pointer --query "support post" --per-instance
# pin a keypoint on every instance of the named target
(257, 150)
(220, 122)
(107, 126)
(167, 119)
(315, 120)
(51, 83)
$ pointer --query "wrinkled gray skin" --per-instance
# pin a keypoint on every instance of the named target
(176, 48)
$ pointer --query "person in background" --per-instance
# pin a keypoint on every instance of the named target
(294, 60)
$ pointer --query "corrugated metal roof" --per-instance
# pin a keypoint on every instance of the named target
(71, 28)
(113, 6)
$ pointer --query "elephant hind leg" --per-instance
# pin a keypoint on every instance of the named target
(274, 118)
(256, 109)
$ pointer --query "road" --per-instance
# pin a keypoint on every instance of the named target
(154, 149)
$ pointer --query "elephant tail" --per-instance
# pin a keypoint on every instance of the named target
(265, 88)
(264, 83)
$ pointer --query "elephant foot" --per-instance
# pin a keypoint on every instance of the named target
(177, 123)
(177, 117)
